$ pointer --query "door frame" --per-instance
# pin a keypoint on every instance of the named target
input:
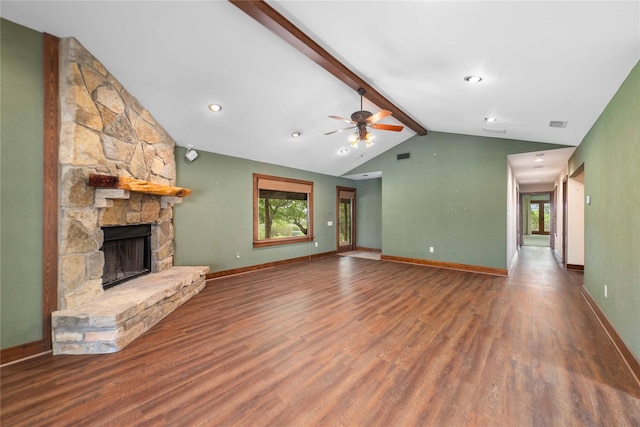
(565, 208)
(541, 204)
(352, 246)
(521, 207)
(554, 220)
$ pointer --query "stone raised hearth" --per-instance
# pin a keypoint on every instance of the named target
(123, 313)
(106, 132)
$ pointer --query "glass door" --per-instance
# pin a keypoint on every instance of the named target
(540, 214)
(346, 227)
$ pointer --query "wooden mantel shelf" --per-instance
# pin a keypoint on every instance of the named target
(110, 187)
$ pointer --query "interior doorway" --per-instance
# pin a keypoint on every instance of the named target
(346, 216)
(564, 221)
(575, 221)
(537, 219)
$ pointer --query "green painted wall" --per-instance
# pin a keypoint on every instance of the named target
(369, 213)
(451, 194)
(21, 185)
(610, 154)
(216, 222)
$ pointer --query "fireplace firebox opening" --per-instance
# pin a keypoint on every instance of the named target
(127, 253)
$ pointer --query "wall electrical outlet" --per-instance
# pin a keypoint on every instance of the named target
(238, 255)
(605, 291)
(431, 249)
(316, 244)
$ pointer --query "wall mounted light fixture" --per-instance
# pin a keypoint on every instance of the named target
(191, 154)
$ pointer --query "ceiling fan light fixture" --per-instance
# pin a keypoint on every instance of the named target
(361, 120)
(353, 140)
(369, 139)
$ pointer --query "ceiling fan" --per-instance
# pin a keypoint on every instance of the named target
(363, 119)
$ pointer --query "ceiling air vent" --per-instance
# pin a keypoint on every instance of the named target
(403, 156)
(494, 130)
(557, 124)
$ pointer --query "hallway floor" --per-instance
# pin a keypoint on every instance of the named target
(536, 240)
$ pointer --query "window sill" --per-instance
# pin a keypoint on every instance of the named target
(283, 241)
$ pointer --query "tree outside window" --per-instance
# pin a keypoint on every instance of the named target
(282, 210)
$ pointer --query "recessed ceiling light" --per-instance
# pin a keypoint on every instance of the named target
(539, 158)
(344, 150)
(215, 107)
(473, 79)
(295, 134)
(490, 119)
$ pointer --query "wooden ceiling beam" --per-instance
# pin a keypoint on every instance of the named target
(278, 24)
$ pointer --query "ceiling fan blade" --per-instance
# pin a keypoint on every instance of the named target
(340, 130)
(378, 116)
(382, 126)
(343, 119)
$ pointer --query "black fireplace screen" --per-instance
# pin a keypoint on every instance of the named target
(127, 253)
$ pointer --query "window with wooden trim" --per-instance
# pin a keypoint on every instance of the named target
(282, 210)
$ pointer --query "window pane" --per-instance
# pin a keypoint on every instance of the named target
(282, 210)
(345, 222)
(282, 214)
(535, 217)
(547, 217)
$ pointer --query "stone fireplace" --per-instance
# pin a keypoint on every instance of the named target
(104, 130)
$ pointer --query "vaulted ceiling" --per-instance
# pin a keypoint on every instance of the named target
(539, 61)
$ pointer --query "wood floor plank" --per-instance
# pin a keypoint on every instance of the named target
(349, 342)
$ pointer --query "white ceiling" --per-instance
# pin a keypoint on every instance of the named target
(539, 167)
(540, 61)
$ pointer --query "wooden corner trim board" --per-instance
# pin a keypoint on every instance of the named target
(248, 269)
(449, 265)
(137, 185)
(50, 147)
(627, 355)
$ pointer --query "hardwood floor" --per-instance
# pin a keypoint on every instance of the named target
(348, 341)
